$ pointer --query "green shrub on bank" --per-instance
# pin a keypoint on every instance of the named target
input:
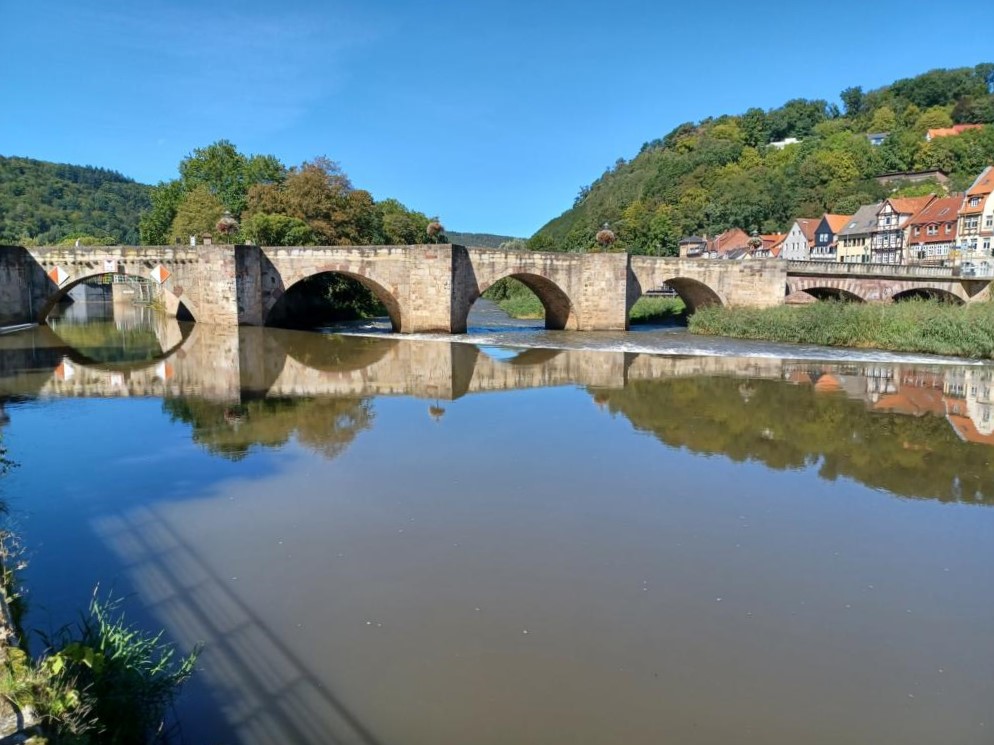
(925, 326)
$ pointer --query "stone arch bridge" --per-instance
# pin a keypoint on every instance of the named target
(430, 288)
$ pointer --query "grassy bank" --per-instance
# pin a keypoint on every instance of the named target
(519, 302)
(656, 309)
(925, 326)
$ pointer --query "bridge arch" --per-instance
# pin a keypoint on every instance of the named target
(647, 273)
(927, 293)
(175, 304)
(833, 293)
(560, 312)
(382, 291)
(827, 288)
(694, 293)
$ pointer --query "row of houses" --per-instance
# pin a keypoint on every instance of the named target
(953, 231)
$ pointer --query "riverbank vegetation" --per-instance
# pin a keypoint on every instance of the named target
(518, 301)
(99, 681)
(926, 326)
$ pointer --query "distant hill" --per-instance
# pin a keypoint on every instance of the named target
(742, 170)
(483, 240)
(46, 202)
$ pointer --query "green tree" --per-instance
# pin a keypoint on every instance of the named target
(156, 224)
(884, 120)
(852, 100)
(796, 118)
(755, 127)
(401, 226)
(196, 215)
(264, 229)
(227, 173)
(936, 117)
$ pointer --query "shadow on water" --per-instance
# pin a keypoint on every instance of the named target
(288, 703)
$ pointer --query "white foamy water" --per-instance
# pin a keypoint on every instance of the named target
(490, 326)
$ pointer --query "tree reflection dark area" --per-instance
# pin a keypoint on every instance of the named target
(788, 426)
(325, 425)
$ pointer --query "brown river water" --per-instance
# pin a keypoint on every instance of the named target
(521, 537)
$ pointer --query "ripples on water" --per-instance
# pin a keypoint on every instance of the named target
(524, 536)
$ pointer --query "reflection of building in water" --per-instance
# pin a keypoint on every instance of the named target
(960, 394)
(969, 405)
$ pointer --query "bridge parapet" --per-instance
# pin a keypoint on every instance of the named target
(901, 271)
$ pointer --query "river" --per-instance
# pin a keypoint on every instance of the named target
(518, 537)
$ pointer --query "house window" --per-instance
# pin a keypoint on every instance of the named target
(989, 221)
(949, 228)
(971, 223)
(918, 231)
(933, 230)
(974, 201)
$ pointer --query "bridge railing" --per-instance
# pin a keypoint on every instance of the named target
(911, 271)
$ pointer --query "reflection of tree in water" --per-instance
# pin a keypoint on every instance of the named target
(325, 425)
(791, 426)
(103, 341)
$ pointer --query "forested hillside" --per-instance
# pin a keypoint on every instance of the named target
(721, 173)
(43, 203)
(483, 240)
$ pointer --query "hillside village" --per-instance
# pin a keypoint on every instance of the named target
(954, 230)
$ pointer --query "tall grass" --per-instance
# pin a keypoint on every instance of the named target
(515, 298)
(926, 326)
(656, 309)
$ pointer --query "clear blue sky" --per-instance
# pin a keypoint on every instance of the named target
(489, 114)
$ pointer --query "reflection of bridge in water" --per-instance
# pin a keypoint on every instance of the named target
(230, 364)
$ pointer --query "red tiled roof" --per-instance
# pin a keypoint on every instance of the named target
(828, 384)
(941, 210)
(984, 183)
(966, 429)
(915, 401)
(911, 205)
(808, 226)
(729, 241)
(837, 222)
(956, 129)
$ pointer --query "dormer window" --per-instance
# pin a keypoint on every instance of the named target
(974, 201)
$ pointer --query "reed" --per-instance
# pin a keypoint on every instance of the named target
(926, 326)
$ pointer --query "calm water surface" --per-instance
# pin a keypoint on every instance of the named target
(523, 537)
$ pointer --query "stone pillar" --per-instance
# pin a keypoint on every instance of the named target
(17, 292)
(601, 301)
(426, 297)
(215, 289)
(248, 268)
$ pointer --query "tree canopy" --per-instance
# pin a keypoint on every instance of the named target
(314, 203)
